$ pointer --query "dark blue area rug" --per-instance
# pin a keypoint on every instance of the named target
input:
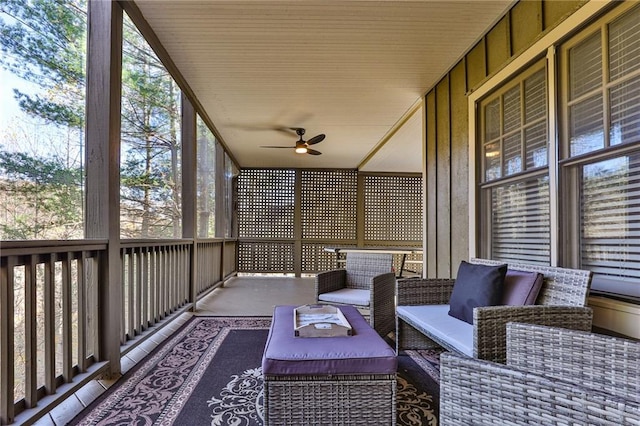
(209, 373)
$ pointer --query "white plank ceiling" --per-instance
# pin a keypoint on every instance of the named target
(353, 70)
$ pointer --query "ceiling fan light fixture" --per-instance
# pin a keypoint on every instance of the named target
(301, 149)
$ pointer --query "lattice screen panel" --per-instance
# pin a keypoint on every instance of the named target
(265, 257)
(315, 259)
(412, 265)
(328, 204)
(392, 208)
(266, 203)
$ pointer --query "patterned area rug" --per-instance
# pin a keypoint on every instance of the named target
(209, 373)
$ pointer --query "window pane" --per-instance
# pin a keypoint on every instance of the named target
(625, 113)
(42, 119)
(520, 222)
(512, 154)
(492, 166)
(535, 97)
(610, 225)
(206, 185)
(586, 126)
(230, 174)
(624, 45)
(536, 145)
(150, 190)
(512, 109)
(492, 120)
(585, 61)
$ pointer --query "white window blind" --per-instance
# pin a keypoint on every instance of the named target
(610, 224)
(603, 112)
(516, 190)
(520, 221)
(515, 128)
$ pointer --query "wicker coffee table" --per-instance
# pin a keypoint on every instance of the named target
(328, 380)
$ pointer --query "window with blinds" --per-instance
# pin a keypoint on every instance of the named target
(602, 151)
(515, 127)
(520, 229)
(610, 223)
(604, 93)
(515, 187)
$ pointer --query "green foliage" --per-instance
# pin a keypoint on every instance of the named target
(43, 42)
(45, 198)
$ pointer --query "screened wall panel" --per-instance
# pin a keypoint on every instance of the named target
(315, 258)
(303, 211)
(328, 204)
(266, 203)
(392, 209)
(265, 257)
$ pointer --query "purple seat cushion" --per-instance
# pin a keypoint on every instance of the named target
(365, 352)
(521, 287)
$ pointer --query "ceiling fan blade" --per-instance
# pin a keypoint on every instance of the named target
(316, 139)
(313, 152)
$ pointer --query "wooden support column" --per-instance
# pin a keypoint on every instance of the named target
(189, 191)
(104, 80)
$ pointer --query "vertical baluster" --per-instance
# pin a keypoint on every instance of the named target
(50, 324)
(145, 287)
(185, 279)
(169, 307)
(123, 314)
(138, 294)
(67, 340)
(31, 334)
(153, 283)
(131, 287)
(6, 340)
(82, 313)
(162, 280)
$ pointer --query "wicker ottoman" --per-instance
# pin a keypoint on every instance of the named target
(348, 380)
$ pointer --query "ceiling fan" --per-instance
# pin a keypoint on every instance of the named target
(302, 147)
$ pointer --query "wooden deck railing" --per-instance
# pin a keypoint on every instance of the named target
(49, 328)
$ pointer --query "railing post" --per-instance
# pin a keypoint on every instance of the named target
(104, 81)
(6, 341)
(189, 192)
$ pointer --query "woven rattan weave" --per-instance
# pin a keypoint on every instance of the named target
(561, 302)
(553, 376)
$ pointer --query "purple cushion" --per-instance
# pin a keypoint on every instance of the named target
(476, 285)
(521, 287)
(365, 352)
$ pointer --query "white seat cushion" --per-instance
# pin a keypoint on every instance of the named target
(348, 296)
(435, 319)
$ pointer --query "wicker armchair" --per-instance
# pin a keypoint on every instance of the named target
(561, 303)
(366, 282)
(552, 376)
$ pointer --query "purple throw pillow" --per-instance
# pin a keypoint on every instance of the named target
(521, 287)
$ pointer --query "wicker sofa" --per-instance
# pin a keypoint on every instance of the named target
(560, 302)
(552, 376)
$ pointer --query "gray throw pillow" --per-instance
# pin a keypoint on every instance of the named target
(476, 285)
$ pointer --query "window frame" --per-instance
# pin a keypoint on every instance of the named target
(570, 167)
(545, 46)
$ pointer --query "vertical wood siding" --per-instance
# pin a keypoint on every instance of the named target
(446, 109)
